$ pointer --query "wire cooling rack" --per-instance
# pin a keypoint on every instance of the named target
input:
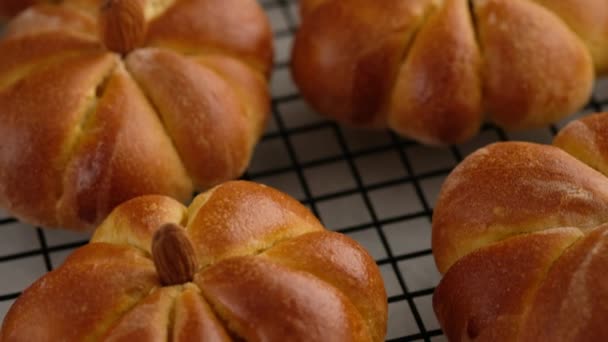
(373, 186)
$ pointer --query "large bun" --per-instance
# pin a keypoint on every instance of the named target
(430, 69)
(176, 106)
(520, 231)
(255, 266)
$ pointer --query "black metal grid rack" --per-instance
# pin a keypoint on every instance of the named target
(373, 186)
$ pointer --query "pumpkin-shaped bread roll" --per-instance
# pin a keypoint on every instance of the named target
(243, 263)
(430, 69)
(520, 232)
(103, 101)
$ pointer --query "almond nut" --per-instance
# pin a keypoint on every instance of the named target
(173, 255)
(122, 24)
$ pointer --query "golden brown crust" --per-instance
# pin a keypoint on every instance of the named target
(134, 222)
(237, 28)
(124, 153)
(541, 76)
(186, 122)
(46, 17)
(153, 8)
(146, 321)
(309, 286)
(572, 303)
(511, 272)
(437, 96)
(589, 19)
(194, 319)
(111, 278)
(346, 60)
(245, 218)
(495, 285)
(308, 6)
(351, 270)
(35, 149)
(89, 7)
(249, 85)
(30, 53)
(511, 188)
(277, 291)
(587, 140)
(199, 109)
(520, 61)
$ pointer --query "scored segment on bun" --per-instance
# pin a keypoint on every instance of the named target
(244, 262)
(100, 104)
(430, 69)
(520, 231)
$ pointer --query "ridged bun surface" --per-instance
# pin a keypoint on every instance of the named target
(258, 267)
(103, 101)
(431, 69)
(520, 232)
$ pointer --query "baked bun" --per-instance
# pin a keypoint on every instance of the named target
(430, 69)
(244, 262)
(520, 231)
(103, 104)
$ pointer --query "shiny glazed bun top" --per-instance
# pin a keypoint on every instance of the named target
(430, 69)
(520, 231)
(243, 263)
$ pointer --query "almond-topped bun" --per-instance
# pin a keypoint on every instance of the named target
(243, 263)
(431, 69)
(520, 232)
(103, 101)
